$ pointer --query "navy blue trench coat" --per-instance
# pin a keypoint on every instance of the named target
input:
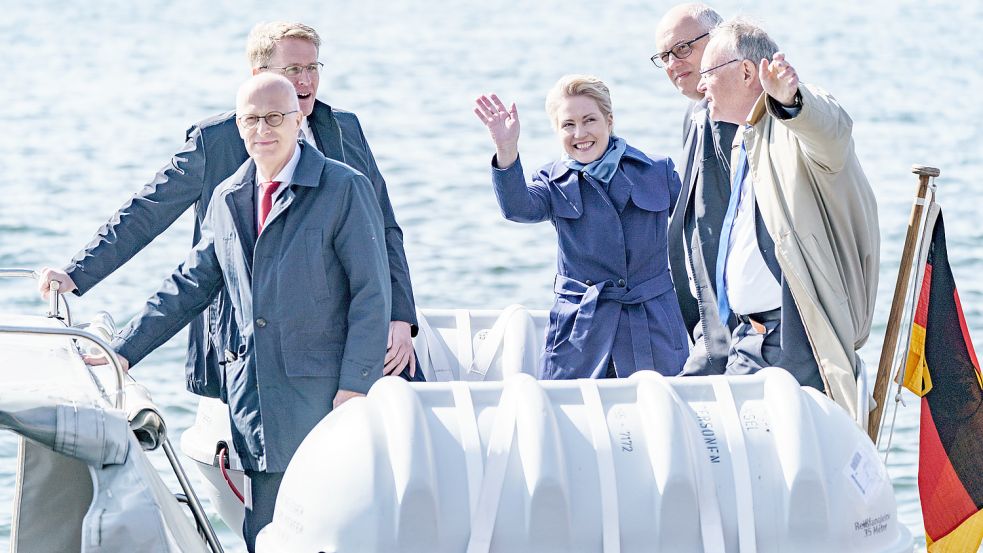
(311, 297)
(614, 293)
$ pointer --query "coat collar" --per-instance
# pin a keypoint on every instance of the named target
(564, 186)
(327, 131)
(758, 110)
(240, 198)
(242, 206)
(559, 169)
(308, 171)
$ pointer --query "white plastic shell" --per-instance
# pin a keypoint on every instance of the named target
(718, 464)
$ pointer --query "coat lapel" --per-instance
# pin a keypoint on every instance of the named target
(307, 174)
(243, 209)
(565, 191)
(327, 132)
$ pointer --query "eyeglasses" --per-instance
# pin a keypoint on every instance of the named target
(680, 51)
(706, 72)
(295, 70)
(273, 119)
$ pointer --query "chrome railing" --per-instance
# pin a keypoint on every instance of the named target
(55, 300)
(54, 297)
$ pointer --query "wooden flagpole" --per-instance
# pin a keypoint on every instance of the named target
(894, 325)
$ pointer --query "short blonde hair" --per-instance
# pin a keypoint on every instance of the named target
(578, 85)
(264, 37)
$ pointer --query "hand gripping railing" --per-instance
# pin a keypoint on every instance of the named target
(53, 296)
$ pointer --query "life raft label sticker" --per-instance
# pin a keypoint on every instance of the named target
(865, 473)
(705, 420)
(872, 526)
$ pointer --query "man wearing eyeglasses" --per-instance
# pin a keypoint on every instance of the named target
(681, 37)
(308, 280)
(799, 246)
(214, 151)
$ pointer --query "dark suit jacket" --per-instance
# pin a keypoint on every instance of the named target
(695, 227)
(310, 296)
(214, 151)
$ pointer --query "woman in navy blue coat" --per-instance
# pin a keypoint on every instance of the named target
(615, 310)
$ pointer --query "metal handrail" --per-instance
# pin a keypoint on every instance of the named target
(83, 335)
(53, 297)
(30, 273)
(192, 498)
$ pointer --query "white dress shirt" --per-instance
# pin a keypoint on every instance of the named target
(751, 287)
(307, 134)
(283, 177)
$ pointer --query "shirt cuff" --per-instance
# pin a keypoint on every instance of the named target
(786, 112)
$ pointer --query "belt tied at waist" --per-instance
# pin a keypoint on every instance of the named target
(630, 298)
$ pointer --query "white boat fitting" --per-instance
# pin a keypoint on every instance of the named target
(208, 442)
(479, 344)
(717, 464)
(84, 482)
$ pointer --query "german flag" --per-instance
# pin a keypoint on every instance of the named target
(943, 370)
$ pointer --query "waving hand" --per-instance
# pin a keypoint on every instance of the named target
(779, 79)
(503, 125)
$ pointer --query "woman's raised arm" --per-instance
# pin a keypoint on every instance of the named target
(503, 125)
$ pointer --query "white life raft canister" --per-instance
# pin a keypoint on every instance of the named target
(718, 464)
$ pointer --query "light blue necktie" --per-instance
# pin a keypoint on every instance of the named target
(723, 305)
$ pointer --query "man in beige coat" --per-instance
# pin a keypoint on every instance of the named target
(800, 247)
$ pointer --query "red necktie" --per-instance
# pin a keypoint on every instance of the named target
(266, 191)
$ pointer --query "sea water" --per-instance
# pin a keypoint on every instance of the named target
(96, 97)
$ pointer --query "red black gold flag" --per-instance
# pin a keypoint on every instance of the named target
(942, 368)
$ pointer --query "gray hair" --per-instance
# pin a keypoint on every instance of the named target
(704, 16)
(745, 39)
(265, 36)
(707, 17)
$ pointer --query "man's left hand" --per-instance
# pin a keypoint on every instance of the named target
(778, 79)
(343, 396)
(399, 349)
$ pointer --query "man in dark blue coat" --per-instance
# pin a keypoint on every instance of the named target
(296, 241)
(694, 230)
(213, 151)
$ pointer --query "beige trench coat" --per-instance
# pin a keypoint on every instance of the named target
(820, 210)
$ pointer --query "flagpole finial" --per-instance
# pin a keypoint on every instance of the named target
(925, 170)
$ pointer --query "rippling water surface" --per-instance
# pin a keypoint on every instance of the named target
(97, 96)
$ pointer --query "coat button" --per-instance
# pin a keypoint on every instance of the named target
(622, 283)
(365, 372)
(260, 322)
(589, 282)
